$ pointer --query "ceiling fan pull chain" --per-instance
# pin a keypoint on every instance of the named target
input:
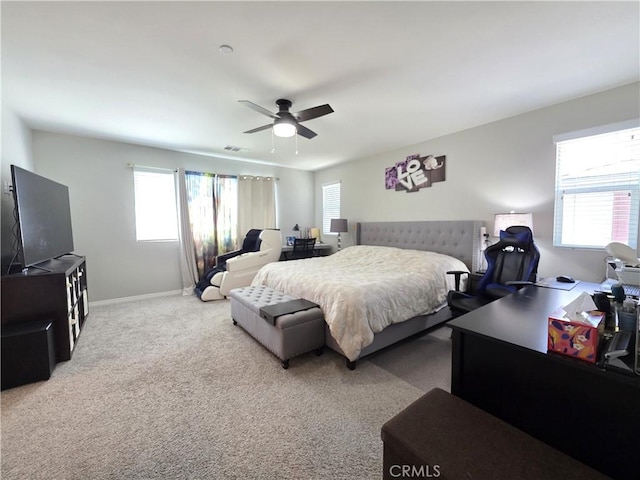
(273, 145)
(296, 144)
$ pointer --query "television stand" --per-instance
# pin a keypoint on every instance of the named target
(68, 255)
(25, 270)
(55, 290)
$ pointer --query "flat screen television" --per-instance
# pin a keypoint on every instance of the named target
(44, 217)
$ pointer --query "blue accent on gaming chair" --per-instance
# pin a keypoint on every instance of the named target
(512, 263)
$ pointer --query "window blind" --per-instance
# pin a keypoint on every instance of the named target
(330, 205)
(597, 187)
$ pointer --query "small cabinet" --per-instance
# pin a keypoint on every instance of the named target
(57, 290)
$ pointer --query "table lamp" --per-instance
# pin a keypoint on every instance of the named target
(505, 220)
(338, 225)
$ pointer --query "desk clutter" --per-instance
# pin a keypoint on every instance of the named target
(601, 328)
(553, 282)
(305, 232)
(611, 286)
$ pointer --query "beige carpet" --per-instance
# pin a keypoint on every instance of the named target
(169, 388)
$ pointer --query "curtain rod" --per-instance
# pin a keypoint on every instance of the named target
(148, 167)
(244, 177)
(257, 177)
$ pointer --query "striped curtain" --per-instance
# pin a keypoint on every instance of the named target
(212, 204)
(201, 203)
(226, 189)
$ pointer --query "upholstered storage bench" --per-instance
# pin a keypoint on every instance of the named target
(441, 435)
(286, 335)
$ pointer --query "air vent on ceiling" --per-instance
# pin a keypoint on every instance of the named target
(233, 148)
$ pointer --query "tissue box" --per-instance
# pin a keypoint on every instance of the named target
(577, 339)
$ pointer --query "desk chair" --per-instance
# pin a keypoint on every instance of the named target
(302, 248)
(512, 263)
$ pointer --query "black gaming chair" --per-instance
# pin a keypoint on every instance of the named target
(512, 263)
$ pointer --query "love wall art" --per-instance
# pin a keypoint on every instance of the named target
(414, 173)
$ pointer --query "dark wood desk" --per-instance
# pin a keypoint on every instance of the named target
(319, 249)
(500, 364)
(317, 246)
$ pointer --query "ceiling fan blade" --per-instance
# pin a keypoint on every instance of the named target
(259, 129)
(311, 113)
(258, 108)
(305, 132)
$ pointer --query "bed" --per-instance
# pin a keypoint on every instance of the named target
(391, 285)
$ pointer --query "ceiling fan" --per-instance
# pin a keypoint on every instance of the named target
(287, 124)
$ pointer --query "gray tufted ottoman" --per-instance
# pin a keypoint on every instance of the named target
(290, 334)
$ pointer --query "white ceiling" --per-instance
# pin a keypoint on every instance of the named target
(396, 73)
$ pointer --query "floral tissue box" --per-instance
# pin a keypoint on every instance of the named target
(575, 338)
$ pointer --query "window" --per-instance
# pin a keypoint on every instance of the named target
(597, 186)
(155, 205)
(330, 205)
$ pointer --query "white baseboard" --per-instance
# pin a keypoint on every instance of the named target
(135, 297)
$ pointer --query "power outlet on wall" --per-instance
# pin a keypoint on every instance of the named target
(7, 188)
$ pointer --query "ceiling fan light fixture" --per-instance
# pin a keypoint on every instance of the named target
(283, 128)
(285, 123)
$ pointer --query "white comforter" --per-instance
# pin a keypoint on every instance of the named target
(362, 289)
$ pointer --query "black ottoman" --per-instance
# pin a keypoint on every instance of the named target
(28, 352)
(442, 436)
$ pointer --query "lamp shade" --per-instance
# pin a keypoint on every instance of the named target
(338, 225)
(284, 128)
(505, 220)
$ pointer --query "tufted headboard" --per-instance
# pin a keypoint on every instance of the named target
(458, 238)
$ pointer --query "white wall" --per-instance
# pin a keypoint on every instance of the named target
(102, 207)
(498, 167)
(505, 165)
(16, 150)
